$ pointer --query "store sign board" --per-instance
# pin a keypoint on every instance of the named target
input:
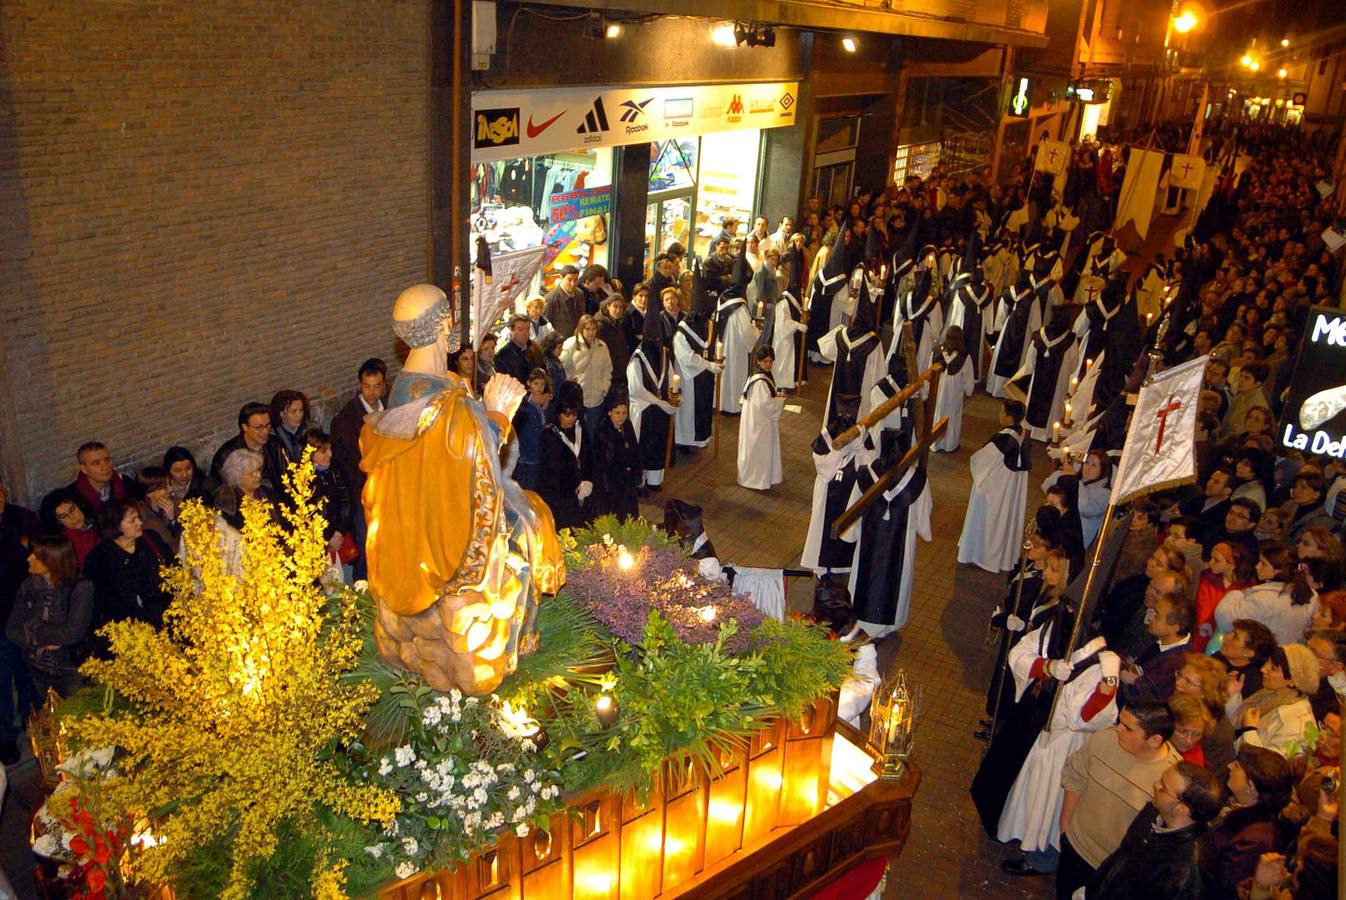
(1314, 420)
(497, 127)
(581, 204)
(510, 124)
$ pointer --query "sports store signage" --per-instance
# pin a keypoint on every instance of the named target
(508, 124)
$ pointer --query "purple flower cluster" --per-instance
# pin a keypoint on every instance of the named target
(660, 579)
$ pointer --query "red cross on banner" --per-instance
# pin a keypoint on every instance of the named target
(1160, 444)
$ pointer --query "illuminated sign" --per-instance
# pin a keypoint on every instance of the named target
(1020, 100)
(1314, 420)
(496, 128)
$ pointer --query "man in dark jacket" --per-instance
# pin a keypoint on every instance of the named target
(518, 356)
(1154, 670)
(564, 304)
(1157, 856)
(346, 425)
(611, 331)
(97, 482)
(254, 433)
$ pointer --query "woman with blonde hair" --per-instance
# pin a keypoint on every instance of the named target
(1204, 679)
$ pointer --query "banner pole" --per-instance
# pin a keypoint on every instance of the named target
(1084, 599)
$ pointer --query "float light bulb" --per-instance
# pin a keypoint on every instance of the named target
(625, 561)
(613, 31)
(1285, 42)
(848, 44)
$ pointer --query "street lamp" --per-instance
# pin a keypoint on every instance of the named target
(1254, 65)
(1281, 73)
(1185, 21)
(1247, 60)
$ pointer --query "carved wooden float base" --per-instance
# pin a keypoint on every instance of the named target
(794, 811)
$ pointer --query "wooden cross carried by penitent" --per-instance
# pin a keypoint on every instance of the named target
(927, 430)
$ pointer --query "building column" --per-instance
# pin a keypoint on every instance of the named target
(631, 194)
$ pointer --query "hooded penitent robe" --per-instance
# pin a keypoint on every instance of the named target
(1017, 317)
(1043, 381)
(857, 361)
(647, 378)
(994, 522)
(759, 458)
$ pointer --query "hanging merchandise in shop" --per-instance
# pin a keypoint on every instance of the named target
(511, 124)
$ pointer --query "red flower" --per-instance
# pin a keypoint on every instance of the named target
(102, 854)
(96, 880)
(79, 847)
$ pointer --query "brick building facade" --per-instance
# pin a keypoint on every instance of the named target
(200, 204)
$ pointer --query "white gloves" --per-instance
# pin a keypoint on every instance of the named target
(716, 368)
(1058, 669)
(1110, 663)
(1014, 623)
(584, 490)
(710, 569)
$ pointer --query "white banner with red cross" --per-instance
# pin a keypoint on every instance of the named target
(511, 274)
(1160, 444)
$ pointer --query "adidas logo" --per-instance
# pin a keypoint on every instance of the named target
(595, 120)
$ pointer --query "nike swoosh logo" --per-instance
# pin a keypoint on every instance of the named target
(535, 130)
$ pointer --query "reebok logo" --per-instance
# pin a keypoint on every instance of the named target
(631, 110)
(535, 130)
(595, 121)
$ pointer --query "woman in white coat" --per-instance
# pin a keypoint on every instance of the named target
(1276, 716)
(1282, 600)
(587, 361)
(759, 459)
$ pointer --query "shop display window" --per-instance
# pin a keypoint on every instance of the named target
(533, 201)
(695, 185)
(915, 159)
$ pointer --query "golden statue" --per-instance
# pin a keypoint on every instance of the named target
(459, 555)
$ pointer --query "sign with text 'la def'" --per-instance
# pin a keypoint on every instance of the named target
(1314, 419)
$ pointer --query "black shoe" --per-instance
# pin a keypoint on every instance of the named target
(982, 734)
(9, 753)
(984, 723)
(1018, 867)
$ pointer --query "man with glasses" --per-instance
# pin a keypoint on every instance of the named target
(254, 433)
(1330, 648)
(97, 482)
(1157, 855)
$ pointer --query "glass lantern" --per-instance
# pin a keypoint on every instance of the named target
(892, 718)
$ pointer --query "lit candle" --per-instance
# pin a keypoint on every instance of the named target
(1056, 430)
(1067, 410)
(675, 383)
(1088, 363)
(761, 308)
(719, 350)
(707, 613)
(1148, 317)
(1074, 382)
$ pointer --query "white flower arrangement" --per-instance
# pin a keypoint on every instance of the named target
(468, 770)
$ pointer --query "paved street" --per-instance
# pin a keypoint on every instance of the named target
(941, 646)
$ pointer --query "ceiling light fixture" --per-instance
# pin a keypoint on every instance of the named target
(849, 45)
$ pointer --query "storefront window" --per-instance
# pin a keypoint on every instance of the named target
(560, 202)
(915, 159)
(696, 184)
(728, 184)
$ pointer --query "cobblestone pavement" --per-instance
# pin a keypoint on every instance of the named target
(942, 645)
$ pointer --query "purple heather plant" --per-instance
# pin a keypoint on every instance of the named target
(661, 578)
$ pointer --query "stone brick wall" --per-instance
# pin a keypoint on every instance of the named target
(200, 203)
